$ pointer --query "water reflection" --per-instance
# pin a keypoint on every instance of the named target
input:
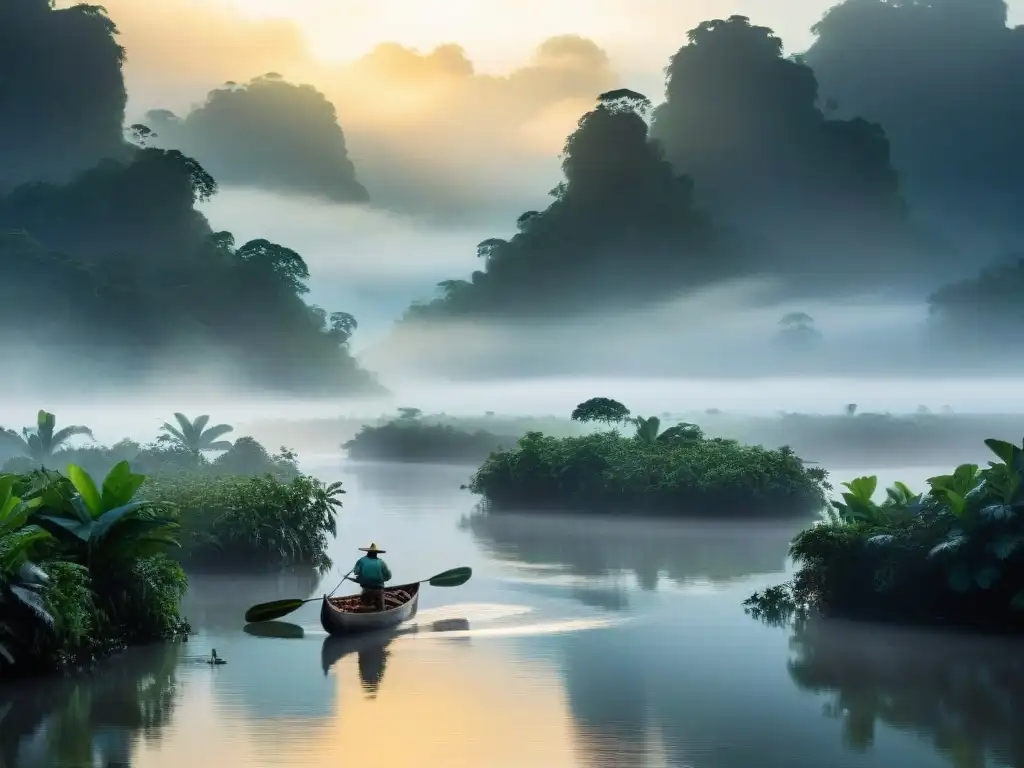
(963, 694)
(95, 719)
(218, 601)
(283, 630)
(592, 546)
(409, 484)
(372, 651)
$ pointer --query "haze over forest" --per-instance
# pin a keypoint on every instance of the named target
(191, 194)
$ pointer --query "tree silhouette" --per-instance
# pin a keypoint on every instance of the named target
(600, 409)
(270, 134)
(62, 95)
(623, 226)
(812, 198)
(937, 77)
(194, 437)
(40, 442)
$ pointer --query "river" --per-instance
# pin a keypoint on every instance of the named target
(579, 642)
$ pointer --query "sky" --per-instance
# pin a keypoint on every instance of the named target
(455, 130)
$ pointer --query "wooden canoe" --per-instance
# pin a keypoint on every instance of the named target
(342, 616)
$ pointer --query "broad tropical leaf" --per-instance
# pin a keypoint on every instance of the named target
(1005, 546)
(33, 602)
(81, 530)
(120, 485)
(87, 489)
(950, 545)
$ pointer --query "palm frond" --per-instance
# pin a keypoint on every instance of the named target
(75, 430)
(186, 427)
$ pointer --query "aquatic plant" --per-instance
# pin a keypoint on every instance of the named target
(676, 472)
(952, 555)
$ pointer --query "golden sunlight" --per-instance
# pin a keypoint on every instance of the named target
(445, 702)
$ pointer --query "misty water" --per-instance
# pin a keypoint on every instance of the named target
(578, 642)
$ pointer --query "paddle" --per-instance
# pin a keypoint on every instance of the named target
(456, 577)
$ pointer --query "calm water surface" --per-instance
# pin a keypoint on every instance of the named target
(578, 642)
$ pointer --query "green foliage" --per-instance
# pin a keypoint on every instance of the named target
(40, 442)
(248, 458)
(127, 258)
(70, 600)
(104, 579)
(104, 530)
(407, 438)
(229, 521)
(952, 555)
(239, 134)
(194, 436)
(648, 431)
(245, 457)
(957, 171)
(623, 223)
(744, 121)
(683, 475)
(603, 410)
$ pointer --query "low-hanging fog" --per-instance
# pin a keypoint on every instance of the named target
(443, 225)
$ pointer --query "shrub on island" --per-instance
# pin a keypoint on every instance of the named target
(672, 472)
(951, 556)
(408, 438)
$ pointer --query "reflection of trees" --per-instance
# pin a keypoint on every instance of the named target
(415, 485)
(595, 546)
(609, 698)
(70, 722)
(964, 694)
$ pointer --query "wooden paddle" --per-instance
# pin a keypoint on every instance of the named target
(456, 577)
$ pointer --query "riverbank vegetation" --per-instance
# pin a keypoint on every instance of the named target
(852, 436)
(953, 555)
(89, 566)
(84, 568)
(676, 471)
(409, 438)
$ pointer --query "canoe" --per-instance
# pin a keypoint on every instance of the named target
(342, 615)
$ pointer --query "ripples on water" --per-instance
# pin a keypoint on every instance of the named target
(579, 642)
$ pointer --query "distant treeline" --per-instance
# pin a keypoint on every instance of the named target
(864, 439)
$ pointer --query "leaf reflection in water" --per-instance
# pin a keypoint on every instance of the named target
(963, 693)
(77, 720)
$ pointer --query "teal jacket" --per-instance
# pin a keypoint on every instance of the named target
(371, 572)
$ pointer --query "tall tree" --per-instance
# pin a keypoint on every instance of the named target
(194, 436)
(40, 442)
(814, 199)
(62, 93)
(623, 230)
(937, 75)
(267, 133)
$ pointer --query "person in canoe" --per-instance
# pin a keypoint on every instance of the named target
(371, 573)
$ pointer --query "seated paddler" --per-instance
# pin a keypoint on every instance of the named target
(371, 573)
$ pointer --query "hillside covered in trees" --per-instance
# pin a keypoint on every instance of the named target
(103, 233)
(751, 169)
